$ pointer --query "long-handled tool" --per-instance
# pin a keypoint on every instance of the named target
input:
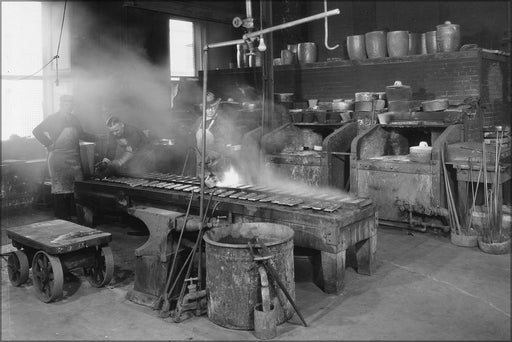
(273, 273)
(179, 304)
(164, 298)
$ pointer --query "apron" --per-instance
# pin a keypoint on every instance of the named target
(64, 163)
(215, 162)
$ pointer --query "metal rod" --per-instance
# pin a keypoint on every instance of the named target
(203, 134)
(226, 43)
(292, 23)
(248, 8)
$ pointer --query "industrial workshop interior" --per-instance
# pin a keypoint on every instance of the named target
(256, 170)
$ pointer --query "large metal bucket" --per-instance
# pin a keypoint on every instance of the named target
(232, 277)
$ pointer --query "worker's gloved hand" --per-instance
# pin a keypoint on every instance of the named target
(116, 163)
(104, 168)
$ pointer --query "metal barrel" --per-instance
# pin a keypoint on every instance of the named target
(232, 277)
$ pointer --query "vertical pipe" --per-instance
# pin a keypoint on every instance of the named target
(248, 8)
(203, 133)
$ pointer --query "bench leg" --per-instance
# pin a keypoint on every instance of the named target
(333, 271)
(365, 254)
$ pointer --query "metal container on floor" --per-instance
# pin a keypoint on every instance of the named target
(397, 43)
(232, 279)
(356, 47)
(376, 44)
(448, 37)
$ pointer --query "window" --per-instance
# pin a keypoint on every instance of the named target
(182, 49)
(22, 90)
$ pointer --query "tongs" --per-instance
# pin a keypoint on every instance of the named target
(264, 259)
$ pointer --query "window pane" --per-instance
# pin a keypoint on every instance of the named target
(181, 35)
(22, 107)
(22, 52)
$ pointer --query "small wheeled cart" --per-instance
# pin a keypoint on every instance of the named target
(54, 247)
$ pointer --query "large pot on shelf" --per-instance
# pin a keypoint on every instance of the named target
(356, 47)
(398, 43)
(448, 37)
(306, 53)
(376, 44)
(431, 42)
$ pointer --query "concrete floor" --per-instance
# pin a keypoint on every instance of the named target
(424, 288)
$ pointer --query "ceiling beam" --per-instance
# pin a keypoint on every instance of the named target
(190, 9)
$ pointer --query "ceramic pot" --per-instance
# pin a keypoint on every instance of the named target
(286, 57)
(431, 42)
(462, 240)
(397, 43)
(398, 92)
(376, 44)
(307, 53)
(356, 48)
(494, 247)
(294, 49)
(414, 44)
(423, 49)
(448, 37)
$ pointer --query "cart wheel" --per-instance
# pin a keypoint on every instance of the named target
(48, 276)
(101, 273)
(17, 267)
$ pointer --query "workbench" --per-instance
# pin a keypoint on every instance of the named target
(54, 247)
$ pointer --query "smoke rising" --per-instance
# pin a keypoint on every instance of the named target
(112, 74)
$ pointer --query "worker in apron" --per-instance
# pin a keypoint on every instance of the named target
(219, 134)
(130, 150)
(61, 133)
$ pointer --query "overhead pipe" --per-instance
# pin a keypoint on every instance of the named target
(245, 38)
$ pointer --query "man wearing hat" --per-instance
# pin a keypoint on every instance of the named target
(129, 149)
(220, 131)
(60, 134)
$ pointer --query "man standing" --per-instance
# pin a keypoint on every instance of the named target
(60, 134)
(129, 149)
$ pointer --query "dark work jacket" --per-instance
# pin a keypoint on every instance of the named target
(135, 139)
(54, 124)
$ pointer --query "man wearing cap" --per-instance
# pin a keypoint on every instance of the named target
(60, 134)
(129, 149)
(219, 132)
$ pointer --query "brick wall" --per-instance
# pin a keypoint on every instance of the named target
(454, 75)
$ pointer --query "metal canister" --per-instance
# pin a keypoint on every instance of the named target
(448, 37)
(307, 52)
(398, 43)
(286, 57)
(376, 44)
(431, 42)
(423, 43)
(356, 48)
(414, 44)
(242, 60)
(294, 48)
